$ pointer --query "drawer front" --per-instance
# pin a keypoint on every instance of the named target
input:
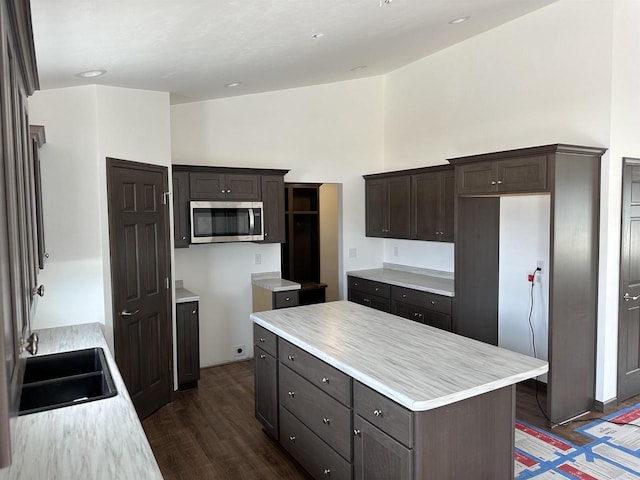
(373, 301)
(369, 286)
(266, 340)
(289, 298)
(383, 413)
(324, 415)
(322, 375)
(437, 319)
(439, 303)
(315, 456)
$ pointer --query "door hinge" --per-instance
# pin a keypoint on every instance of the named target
(165, 197)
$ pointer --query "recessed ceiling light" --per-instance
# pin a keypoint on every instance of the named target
(359, 67)
(233, 84)
(315, 36)
(459, 20)
(91, 73)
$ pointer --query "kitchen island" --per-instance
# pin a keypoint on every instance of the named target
(352, 392)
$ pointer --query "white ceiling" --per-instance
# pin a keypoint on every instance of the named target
(193, 48)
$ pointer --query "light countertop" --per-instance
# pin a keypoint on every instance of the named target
(440, 283)
(272, 281)
(418, 366)
(102, 439)
(183, 295)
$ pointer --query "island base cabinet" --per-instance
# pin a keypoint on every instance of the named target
(315, 456)
(266, 391)
(377, 456)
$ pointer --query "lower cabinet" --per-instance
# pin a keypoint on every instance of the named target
(369, 293)
(266, 390)
(188, 345)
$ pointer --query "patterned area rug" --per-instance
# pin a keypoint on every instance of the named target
(614, 452)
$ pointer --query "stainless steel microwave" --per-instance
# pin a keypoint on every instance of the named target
(213, 222)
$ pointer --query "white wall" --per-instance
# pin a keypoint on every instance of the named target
(329, 133)
(84, 125)
(524, 240)
(542, 78)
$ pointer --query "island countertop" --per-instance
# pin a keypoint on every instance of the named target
(102, 439)
(418, 366)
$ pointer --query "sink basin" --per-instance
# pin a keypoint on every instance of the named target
(64, 379)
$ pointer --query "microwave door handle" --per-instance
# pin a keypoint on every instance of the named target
(251, 222)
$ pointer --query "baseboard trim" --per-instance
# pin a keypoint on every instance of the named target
(606, 407)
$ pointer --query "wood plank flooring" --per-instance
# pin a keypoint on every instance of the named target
(211, 433)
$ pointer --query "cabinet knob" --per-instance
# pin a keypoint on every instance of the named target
(377, 289)
(222, 191)
(356, 432)
(325, 379)
(194, 312)
(499, 182)
(326, 421)
(292, 394)
(262, 356)
(432, 302)
(46, 255)
(287, 299)
(415, 314)
(291, 357)
(404, 295)
(327, 472)
(262, 340)
(38, 290)
(228, 191)
(292, 438)
(366, 300)
(377, 412)
(266, 234)
(184, 238)
(493, 182)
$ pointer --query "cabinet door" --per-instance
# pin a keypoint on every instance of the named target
(410, 312)
(377, 456)
(437, 319)
(399, 207)
(181, 234)
(207, 186)
(373, 301)
(188, 342)
(475, 178)
(266, 391)
(425, 205)
(447, 196)
(375, 207)
(243, 187)
(527, 174)
(273, 213)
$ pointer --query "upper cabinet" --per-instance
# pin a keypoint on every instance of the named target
(412, 204)
(191, 182)
(510, 175)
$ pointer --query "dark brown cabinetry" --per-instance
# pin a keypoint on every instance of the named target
(265, 299)
(188, 344)
(219, 186)
(387, 204)
(369, 293)
(273, 193)
(181, 234)
(412, 204)
(423, 307)
(432, 198)
(266, 379)
(19, 256)
(510, 175)
(571, 176)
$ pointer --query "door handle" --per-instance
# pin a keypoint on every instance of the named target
(126, 313)
(628, 297)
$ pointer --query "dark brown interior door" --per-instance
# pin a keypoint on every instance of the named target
(139, 241)
(629, 312)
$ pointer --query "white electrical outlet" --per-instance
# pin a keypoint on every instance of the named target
(258, 258)
(238, 351)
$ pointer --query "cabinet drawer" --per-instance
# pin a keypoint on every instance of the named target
(439, 303)
(322, 375)
(383, 413)
(324, 415)
(265, 339)
(288, 298)
(369, 286)
(315, 456)
(368, 300)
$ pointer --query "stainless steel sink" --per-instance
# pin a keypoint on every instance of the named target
(64, 379)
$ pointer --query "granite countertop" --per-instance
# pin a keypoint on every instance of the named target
(103, 439)
(272, 281)
(183, 295)
(418, 366)
(432, 281)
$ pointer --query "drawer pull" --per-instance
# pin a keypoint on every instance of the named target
(291, 357)
(327, 472)
(292, 438)
(292, 394)
(493, 182)
(193, 312)
(432, 302)
(325, 379)
(263, 356)
(377, 412)
(356, 432)
(326, 421)
(404, 295)
(262, 340)
(287, 299)
(377, 289)
(366, 300)
(415, 314)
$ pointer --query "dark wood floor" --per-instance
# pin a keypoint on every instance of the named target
(211, 433)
